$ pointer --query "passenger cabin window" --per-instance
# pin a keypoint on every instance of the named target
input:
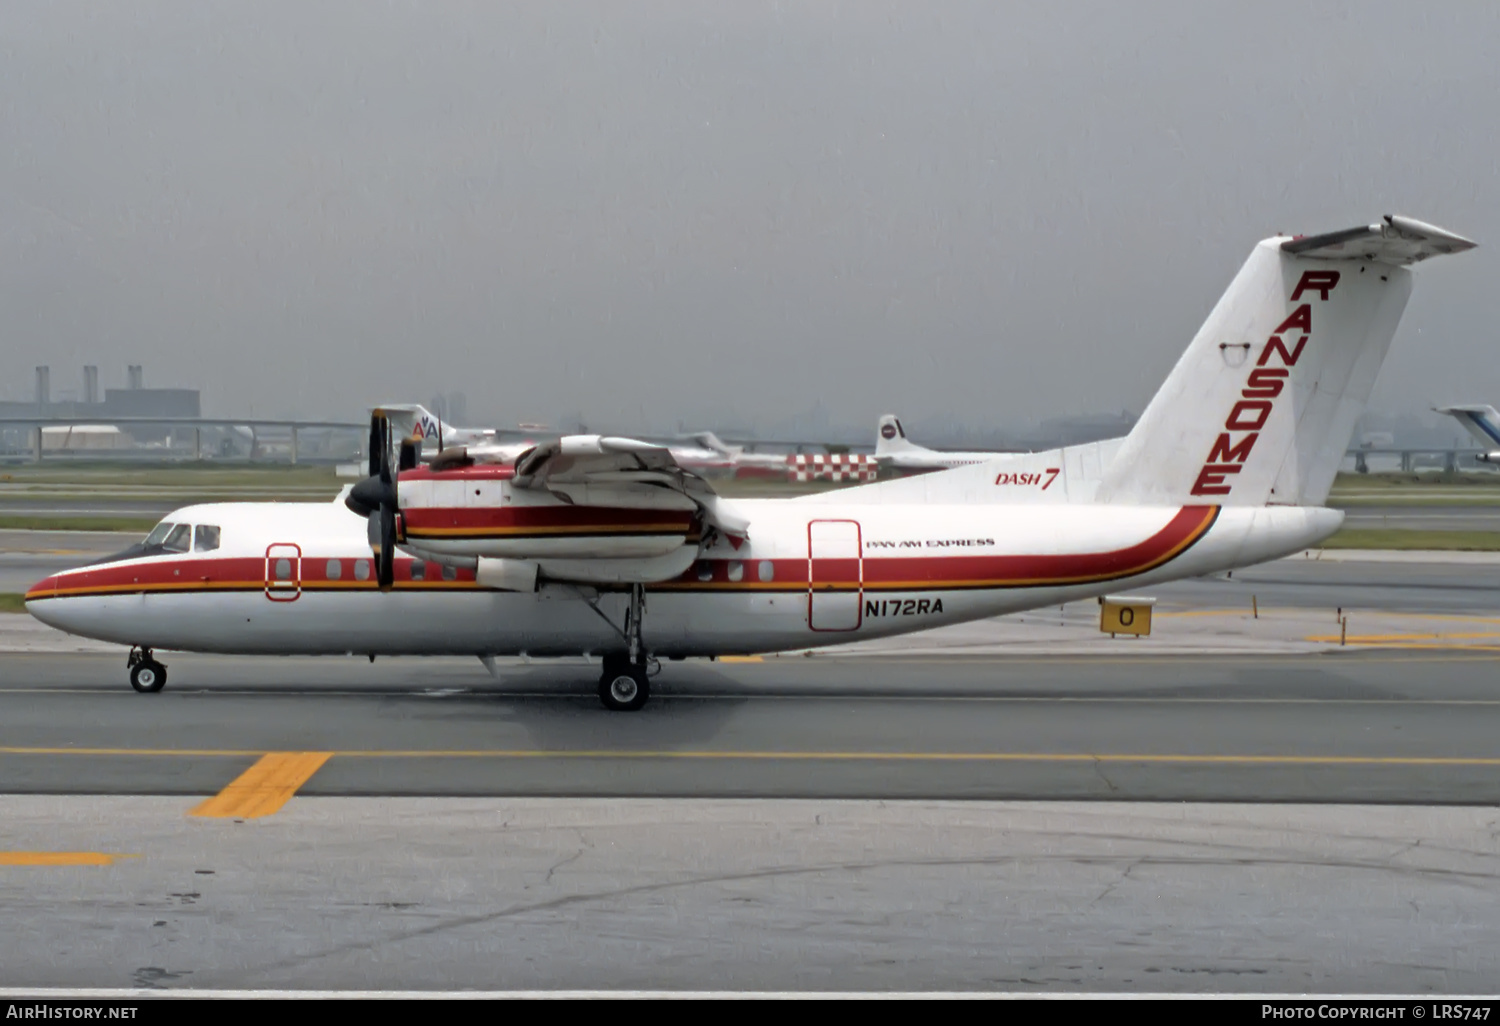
(180, 540)
(205, 538)
(335, 569)
(418, 570)
(450, 573)
(361, 569)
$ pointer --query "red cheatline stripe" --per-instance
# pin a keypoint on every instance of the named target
(948, 573)
(936, 573)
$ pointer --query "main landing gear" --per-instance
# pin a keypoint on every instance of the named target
(146, 674)
(625, 684)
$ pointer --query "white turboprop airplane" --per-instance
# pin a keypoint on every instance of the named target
(605, 547)
(1483, 422)
(895, 451)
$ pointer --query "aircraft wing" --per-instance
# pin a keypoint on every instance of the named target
(599, 470)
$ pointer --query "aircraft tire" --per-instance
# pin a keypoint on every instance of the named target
(148, 676)
(624, 688)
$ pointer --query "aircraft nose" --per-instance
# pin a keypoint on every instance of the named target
(43, 589)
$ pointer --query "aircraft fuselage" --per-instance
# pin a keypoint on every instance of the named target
(297, 579)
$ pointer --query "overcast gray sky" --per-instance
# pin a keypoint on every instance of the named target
(720, 213)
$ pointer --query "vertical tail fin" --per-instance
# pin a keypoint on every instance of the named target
(412, 420)
(1483, 422)
(1260, 408)
(890, 437)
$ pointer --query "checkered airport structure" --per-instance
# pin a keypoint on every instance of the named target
(832, 467)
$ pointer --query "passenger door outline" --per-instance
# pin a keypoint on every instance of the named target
(287, 588)
(835, 575)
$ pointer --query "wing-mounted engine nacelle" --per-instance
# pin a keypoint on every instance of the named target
(1489, 457)
(508, 574)
(473, 516)
(585, 509)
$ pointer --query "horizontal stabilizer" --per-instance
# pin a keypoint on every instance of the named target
(1395, 240)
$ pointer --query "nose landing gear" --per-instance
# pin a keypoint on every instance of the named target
(146, 674)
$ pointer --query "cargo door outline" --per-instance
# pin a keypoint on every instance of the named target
(835, 575)
(283, 572)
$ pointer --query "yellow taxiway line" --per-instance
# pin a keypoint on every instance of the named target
(263, 788)
(277, 775)
(59, 858)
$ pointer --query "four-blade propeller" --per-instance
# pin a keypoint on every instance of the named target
(376, 497)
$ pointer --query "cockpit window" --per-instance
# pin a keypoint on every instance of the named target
(205, 538)
(158, 534)
(180, 540)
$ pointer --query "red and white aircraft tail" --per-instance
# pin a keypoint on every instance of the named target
(1260, 407)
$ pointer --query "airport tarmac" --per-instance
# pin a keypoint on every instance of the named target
(1424, 517)
(1405, 726)
(1303, 800)
(1291, 824)
(748, 895)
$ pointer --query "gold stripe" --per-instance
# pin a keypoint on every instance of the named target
(263, 788)
(247, 586)
(58, 858)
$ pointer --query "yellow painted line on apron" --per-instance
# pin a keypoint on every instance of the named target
(265, 787)
(306, 764)
(59, 858)
(1370, 639)
(1319, 614)
(741, 659)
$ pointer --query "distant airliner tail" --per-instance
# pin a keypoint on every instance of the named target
(412, 420)
(1260, 408)
(712, 442)
(1483, 422)
(890, 438)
